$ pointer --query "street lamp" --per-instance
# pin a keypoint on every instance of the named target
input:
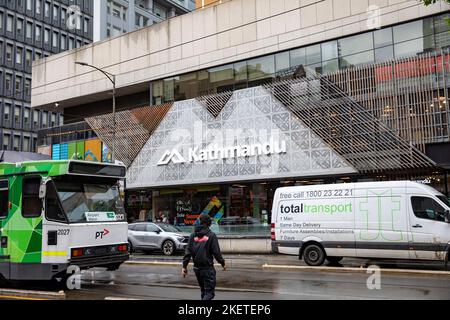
(112, 78)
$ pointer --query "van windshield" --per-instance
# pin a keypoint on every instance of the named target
(444, 200)
(90, 202)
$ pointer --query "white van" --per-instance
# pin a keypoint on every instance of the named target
(394, 220)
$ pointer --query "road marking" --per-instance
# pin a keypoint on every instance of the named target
(21, 298)
(304, 268)
(353, 269)
(160, 263)
(32, 294)
(120, 298)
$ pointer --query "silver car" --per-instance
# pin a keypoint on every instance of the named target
(148, 236)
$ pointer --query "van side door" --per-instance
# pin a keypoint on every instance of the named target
(430, 233)
(381, 225)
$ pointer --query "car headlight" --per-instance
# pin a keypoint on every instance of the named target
(180, 239)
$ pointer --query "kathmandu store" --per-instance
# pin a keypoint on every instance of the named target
(228, 160)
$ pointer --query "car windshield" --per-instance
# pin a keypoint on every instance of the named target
(90, 202)
(444, 200)
(168, 227)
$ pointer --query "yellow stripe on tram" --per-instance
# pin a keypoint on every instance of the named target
(54, 253)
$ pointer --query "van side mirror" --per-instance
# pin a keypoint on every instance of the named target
(42, 191)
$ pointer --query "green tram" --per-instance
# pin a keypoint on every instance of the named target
(56, 214)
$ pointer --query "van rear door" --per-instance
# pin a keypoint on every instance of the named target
(430, 234)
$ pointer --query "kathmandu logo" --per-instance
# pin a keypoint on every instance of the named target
(217, 153)
(101, 234)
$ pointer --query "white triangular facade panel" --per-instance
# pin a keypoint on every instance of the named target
(254, 138)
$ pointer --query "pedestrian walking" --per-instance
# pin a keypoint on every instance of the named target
(203, 247)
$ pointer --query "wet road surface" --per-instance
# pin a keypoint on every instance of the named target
(246, 280)
(160, 282)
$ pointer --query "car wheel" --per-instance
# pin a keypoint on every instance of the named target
(314, 255)
(130, 247)
(334, 260)
(168, 248)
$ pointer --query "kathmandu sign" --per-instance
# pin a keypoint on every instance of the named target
(218, 153)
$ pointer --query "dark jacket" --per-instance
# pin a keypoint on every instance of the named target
(203, 245)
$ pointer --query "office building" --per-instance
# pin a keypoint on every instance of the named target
(115, 17)
(31, 30)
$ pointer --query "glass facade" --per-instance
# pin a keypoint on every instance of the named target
(405, 40)
(238, 209)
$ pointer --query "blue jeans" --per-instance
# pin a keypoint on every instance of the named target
(207, 281)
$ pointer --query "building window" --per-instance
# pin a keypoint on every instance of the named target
(6, 139)
(9, 23)
(17, 116)
(71, 43)
(47, 36)
(55, 13)
(78, 22)
(38, 6)
(38, 33)
(9, 52)
(45, 119)
(28, 87)
(26, 117)
(53, 120)
(63, 16)
(8, 83)
(19, 52)
(63, 41)
(29, 5)
(26, 144)
(16, 143)
(55, 39)
(18, 87)
(47, 9)
(86, 25)
(36, 119)
(7, 113)
(29, 32)
(28, 58)
(19, 26)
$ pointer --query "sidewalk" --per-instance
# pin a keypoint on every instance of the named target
(257, 261)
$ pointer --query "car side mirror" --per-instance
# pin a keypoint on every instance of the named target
(447, 216)
(158, 231)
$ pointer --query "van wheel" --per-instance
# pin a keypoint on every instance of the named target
(314, 255)
(334, 260)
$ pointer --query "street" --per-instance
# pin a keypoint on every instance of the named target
(247, 280)
(165, 282)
